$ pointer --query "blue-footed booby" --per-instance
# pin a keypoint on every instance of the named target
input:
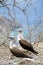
(24, 43)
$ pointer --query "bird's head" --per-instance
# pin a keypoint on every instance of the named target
(20, 30)
(20, 34)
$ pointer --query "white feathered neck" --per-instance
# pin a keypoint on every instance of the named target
(20, 36)
(12, 44)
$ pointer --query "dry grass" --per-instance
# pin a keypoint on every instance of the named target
(5, 56)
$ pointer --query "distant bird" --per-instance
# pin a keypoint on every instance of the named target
(24, 43)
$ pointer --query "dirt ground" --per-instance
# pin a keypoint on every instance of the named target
(5, 56)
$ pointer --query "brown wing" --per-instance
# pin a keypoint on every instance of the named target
(25, 45)
(18, 53)
(24, 42)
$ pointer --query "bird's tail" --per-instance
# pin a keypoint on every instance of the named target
(35, 52)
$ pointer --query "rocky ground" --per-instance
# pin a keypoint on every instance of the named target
(5, 56)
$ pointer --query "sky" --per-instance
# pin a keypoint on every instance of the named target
(33, 12)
